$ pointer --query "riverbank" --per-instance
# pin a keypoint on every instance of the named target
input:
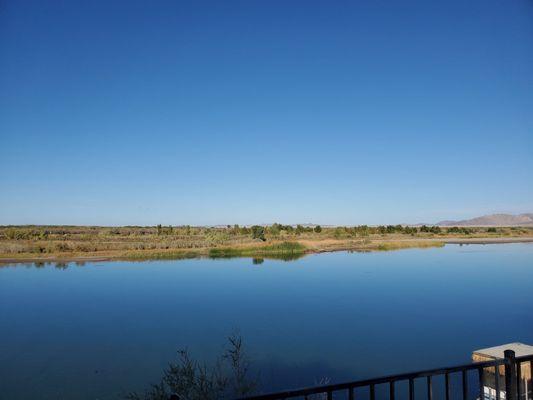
(286, 250)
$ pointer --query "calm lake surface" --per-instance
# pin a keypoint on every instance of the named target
(102, 329)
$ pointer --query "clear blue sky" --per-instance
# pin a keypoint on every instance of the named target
(260, 111)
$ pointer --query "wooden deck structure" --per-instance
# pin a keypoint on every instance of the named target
(523, 371)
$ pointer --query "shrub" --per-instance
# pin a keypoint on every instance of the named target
(228, 378)
(258, 232)
(275, 229)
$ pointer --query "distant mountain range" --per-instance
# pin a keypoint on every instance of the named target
(485, 220)
(493, 220)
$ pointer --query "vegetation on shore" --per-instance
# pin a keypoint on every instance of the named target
(177, 242)
(285, 250)
(397, 245)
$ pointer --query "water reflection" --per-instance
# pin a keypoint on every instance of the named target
(60, 265)
(280, 257)
(63, 265)
(339, 316)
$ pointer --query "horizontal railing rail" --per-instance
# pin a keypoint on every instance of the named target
(512, 384)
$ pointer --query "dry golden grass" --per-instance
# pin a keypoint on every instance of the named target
(50, 243)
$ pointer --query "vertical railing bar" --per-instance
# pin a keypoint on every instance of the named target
(531, 376)
(372, 392)
(447, 383)
(497, 381)
(518, 380)
(481, 384)
(391, 390)
(351, 395)
(430, 388)
(465, 385)
(510, 377)
(411, 389)
(330, 395)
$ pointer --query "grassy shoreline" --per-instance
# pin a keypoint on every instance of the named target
(280, 250)
(89, 243)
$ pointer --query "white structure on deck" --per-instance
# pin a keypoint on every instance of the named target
(496, 352)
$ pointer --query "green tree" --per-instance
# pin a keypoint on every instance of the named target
(274, 229)
(258, 232)
(318, 229)
(435, 229)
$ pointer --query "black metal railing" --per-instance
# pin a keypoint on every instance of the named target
(509, 366)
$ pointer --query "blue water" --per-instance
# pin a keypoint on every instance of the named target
(102, 329)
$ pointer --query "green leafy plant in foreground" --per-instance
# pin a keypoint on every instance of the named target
(227, 378)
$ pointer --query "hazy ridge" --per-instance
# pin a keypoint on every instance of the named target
(493, 220)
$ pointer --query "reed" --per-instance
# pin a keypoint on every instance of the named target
(282, 250)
